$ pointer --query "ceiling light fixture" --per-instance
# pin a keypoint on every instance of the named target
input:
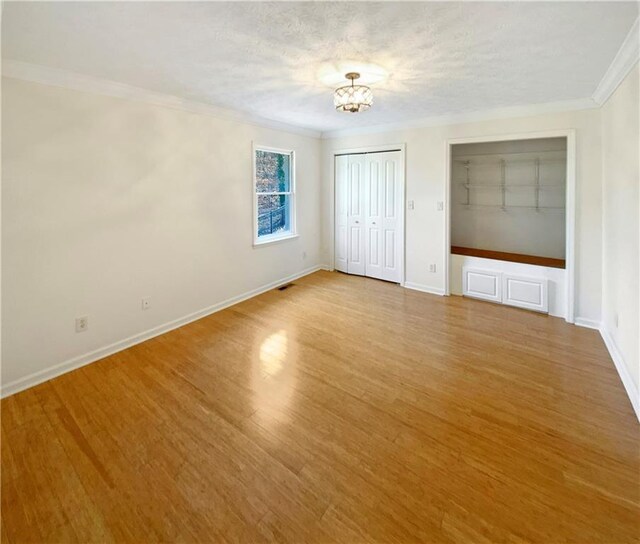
(352, 98)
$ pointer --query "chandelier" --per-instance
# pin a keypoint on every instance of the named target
(353, 98)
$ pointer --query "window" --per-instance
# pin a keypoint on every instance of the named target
(274, 189)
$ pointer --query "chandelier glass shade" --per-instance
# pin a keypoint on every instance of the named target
(353, 98)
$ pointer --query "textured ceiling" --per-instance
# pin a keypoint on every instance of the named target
(269, 59)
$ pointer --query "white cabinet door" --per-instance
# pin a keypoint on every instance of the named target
(504, 287)
(525, 292)
(342, 209)
(484, 284)
(356, 215)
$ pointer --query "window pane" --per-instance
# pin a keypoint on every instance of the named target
(273, 172)
(273, 214)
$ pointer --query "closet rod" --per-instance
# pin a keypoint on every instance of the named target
(468, 164)
(508, 206)
(548, 152)
(513, 186)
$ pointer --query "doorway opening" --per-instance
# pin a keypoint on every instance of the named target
(510, 220)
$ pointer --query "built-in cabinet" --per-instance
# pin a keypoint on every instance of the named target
(528, 292)
(368, 220)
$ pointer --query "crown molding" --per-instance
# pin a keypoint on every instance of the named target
(78, 82)
(625, 59)
(623, 62)
(471, 117)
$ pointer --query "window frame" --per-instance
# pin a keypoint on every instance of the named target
(292, 232)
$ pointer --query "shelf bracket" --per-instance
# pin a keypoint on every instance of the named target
(503, 188)
(466, 164)
(537, 187)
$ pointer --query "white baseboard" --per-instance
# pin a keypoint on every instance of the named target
(587, 323)
(424, 288)
(623, 371)
(71, 364)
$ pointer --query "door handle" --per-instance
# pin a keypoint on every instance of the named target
(357, 222)
(373, 223)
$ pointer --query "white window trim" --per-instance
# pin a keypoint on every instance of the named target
(292, 232)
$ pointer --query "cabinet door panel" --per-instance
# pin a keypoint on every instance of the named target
(483, 284)
(525, 292)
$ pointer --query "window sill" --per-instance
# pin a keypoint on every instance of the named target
(272, 240)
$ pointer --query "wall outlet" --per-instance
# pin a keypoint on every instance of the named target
(146, 303)
(82, 324)
(432, 268)
(304, 254)
(410, 204)
(440, 205)
(615, 320)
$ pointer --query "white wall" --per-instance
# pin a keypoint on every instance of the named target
(106, 201)
(427, 184)
(621, 243)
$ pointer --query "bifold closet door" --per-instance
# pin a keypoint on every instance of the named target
(355, 215)
(383, 201)
(349, 230)
(368, 235)
(342, 213)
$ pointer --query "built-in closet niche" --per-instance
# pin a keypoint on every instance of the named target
(508, 222)
(509, 197)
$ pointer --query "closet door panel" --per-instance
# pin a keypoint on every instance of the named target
(390, 249)
(373, 201)
(356, 215)
(342, 213)
(373, 183)
(356, 258)
(391, 196)
(390, 212)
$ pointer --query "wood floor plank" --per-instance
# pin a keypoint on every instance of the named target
(342, 409)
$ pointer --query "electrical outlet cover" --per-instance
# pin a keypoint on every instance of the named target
(82, 324)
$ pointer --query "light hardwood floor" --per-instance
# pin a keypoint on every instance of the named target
(341, 409)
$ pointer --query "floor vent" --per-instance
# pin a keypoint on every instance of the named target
(285, 286)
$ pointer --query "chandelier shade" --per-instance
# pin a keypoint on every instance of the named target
(353, 98)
